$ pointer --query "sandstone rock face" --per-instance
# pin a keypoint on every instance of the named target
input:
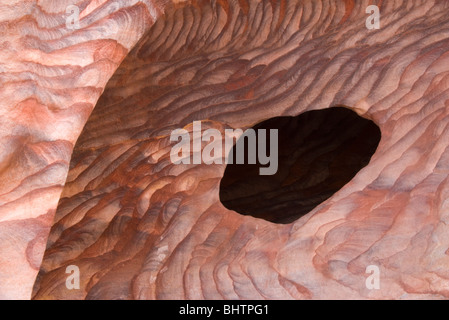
(100, 192)
(51, 78)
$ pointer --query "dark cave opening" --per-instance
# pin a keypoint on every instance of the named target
(318, 153)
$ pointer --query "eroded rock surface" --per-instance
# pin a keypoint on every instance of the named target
(51, 78)
(140, 227)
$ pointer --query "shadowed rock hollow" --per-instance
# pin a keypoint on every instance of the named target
(318, 153)
(95, 187)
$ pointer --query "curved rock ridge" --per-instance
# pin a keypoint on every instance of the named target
(140, 227)
(51, 77)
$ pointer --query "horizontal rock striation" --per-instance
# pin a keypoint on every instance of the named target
(140, 227)
(51, 77)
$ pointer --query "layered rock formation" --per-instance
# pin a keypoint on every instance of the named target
(51, 79)
(139, 226)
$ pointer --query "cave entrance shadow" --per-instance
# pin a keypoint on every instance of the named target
(319, 152)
